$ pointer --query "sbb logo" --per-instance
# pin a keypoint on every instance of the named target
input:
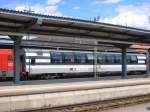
(72, 69)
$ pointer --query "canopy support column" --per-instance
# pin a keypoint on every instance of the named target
(17, 52)
(148, 63)
(124, 62)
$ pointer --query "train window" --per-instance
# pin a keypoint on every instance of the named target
(101, 58)
(128, 59)
(32, 61)
(133, 59)
(80, 58)
(68, 57)
(40, 53)
(117, 58)
(90, 58)
(110, 58)
(56, 57)
(10, 57)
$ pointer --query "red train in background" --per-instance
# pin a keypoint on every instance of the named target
(6, 63)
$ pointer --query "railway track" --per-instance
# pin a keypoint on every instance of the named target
(99, 106)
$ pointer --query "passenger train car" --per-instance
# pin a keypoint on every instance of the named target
(49, 63)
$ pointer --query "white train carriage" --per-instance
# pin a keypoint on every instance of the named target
(52, 62)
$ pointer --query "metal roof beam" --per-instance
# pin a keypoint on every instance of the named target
(10, 20)
(27, 26)
(84, 36)
(99, 29)
(32, 23)
(85, 32)
(8, 43)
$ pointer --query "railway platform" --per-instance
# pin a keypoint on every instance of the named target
(41, 96)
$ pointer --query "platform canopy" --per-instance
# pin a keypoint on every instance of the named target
(22, 23)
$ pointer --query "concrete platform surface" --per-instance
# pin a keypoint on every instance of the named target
(59, 99)
(72, 86)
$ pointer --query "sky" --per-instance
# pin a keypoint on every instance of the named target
(134, 13)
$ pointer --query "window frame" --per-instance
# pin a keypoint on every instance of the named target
(118, 59)
(68, 54)
(79, 57)
(33, 61)
(90, 58)
(53, 57)
(103, 58)
(110, 60)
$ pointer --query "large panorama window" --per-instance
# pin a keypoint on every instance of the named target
(117, 58)
(90, 58)
(56, 57)
(101, 58)
(68, 57)
(80, 58)
(110, 58)
(133, 59)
